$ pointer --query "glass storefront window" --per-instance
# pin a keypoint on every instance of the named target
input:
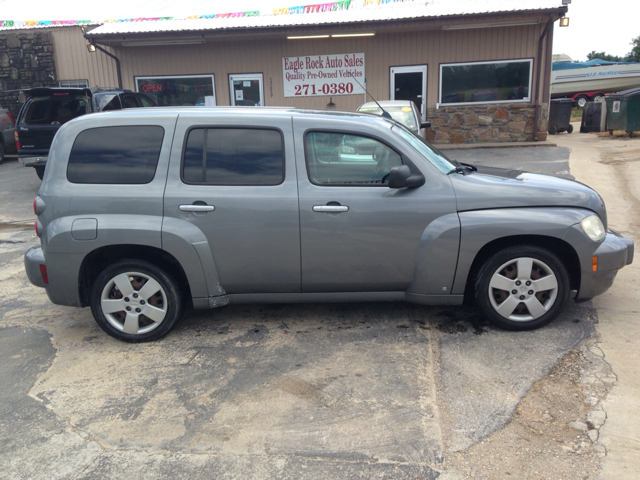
(184, 90)
(485, 82)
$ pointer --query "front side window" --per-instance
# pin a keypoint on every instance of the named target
(335, 159)
(485, 82)
(115, 155)
(233, 156)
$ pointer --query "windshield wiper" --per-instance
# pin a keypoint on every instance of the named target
(463, 168)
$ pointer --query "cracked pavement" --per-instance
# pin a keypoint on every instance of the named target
(280, 391)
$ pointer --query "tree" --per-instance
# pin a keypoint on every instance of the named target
(604, 56)
(634, 54)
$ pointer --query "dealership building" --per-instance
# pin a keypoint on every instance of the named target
(478, 69)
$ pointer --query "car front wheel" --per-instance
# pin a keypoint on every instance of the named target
(135, 301)
(522, 288)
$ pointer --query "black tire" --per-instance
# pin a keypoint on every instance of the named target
(570, 129)
(166, 300)
(39, 171)
(1, 152)
(597, 98)
(552, 129)
(581, 101)
(528, 313)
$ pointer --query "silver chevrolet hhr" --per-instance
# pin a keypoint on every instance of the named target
(143, 211)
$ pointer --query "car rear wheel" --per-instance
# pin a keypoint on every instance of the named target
(135, 301)
(522, 288)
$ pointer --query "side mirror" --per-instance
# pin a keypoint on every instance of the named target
(400, 176)
(425, 125)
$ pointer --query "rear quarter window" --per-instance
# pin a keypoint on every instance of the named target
(115, 155)
(54, 110)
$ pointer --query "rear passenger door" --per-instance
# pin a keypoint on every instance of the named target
(234, 177)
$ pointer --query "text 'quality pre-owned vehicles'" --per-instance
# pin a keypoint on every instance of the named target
(144, 211)
(48, 108)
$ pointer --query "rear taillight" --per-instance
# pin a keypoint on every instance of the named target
(18, 146)
(35, 225)
(35, 212)
(10, 115)
(43, 272)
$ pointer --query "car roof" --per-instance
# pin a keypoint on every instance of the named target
(387, 103)
(45, 91)
(240, 111)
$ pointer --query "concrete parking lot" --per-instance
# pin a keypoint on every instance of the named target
(268, 391)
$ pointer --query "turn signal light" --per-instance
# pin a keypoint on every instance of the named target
(594, 263)
(18, 146)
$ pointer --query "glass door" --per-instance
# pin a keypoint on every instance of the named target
(246, 89)
(410, 83)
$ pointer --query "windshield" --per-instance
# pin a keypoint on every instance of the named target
(427, 150)
(403, 115)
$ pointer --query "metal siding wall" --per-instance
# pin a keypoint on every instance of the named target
(264, 55)
(74, 62)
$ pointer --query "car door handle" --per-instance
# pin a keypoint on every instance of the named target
(330, 208)
(197, 208)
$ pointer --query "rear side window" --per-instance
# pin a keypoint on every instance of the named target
(54, 110)
(234, 156)
(115, 155)
(129, 101)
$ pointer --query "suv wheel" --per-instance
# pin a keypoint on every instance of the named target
(135, 301)
(522, 288)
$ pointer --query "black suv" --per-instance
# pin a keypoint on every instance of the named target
(47, 108)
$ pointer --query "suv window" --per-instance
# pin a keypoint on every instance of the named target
(54, 110)
(345, 159)
(234, 156)
(115, 155)
(146, 101)
(129, 101)
(110, 101)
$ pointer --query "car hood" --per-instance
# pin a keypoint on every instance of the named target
(500, 188)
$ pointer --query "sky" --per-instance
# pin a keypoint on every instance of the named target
(598, 25)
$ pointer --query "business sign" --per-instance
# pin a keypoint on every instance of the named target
(322, 75)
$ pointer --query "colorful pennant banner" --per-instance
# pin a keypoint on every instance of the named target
(302, 9)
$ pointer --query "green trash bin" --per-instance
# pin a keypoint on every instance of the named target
(623, 111)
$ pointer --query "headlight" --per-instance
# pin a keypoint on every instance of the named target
(592, 226)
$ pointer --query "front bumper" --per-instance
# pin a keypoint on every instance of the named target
(613, 253)
(32, 261)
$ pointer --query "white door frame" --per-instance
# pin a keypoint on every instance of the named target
(245, 76)
(410, 69)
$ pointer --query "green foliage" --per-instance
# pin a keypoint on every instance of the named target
(604, 56)
(634, 54)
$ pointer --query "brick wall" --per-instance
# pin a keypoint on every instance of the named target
(26, 60)
(486, 123)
